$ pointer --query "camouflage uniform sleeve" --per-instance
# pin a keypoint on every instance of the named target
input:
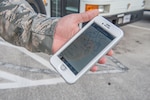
(20, 25)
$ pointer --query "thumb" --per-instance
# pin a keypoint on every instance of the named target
(87, 16)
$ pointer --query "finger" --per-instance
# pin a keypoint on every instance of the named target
(110, 53)
(94, 69)
(102, 60)
(87, 16)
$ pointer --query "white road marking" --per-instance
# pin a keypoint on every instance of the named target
(12, 77)
(48, 81)
(26, 68)
(107, 71)
(20, 82)
(23, 84)
(139, 27)
(32, 55)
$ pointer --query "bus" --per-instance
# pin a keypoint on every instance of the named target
(147, 5)
(119, 12)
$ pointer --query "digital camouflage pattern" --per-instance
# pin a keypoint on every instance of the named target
(20, 25)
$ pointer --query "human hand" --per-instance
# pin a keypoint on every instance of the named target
(68, 26)
(101, 61)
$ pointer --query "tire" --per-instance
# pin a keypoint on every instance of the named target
(37, 5)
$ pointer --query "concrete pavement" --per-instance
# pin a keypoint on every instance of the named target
(28, 76)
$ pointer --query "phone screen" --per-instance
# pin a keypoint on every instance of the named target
(89, 44)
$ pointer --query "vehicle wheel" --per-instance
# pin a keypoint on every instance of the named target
(37, 5)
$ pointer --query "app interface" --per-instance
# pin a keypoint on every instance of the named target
(89, 44)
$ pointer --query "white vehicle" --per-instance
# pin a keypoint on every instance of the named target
(119, 12)
(147, 5)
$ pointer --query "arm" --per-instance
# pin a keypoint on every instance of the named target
(20, 25)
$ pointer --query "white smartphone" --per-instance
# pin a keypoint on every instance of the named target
(82, 51)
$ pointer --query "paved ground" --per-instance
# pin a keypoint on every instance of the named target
(29, 76)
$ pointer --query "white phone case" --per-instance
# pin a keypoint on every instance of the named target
(69, 68)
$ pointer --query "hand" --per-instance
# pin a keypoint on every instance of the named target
(68, 26)
(101, 61)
